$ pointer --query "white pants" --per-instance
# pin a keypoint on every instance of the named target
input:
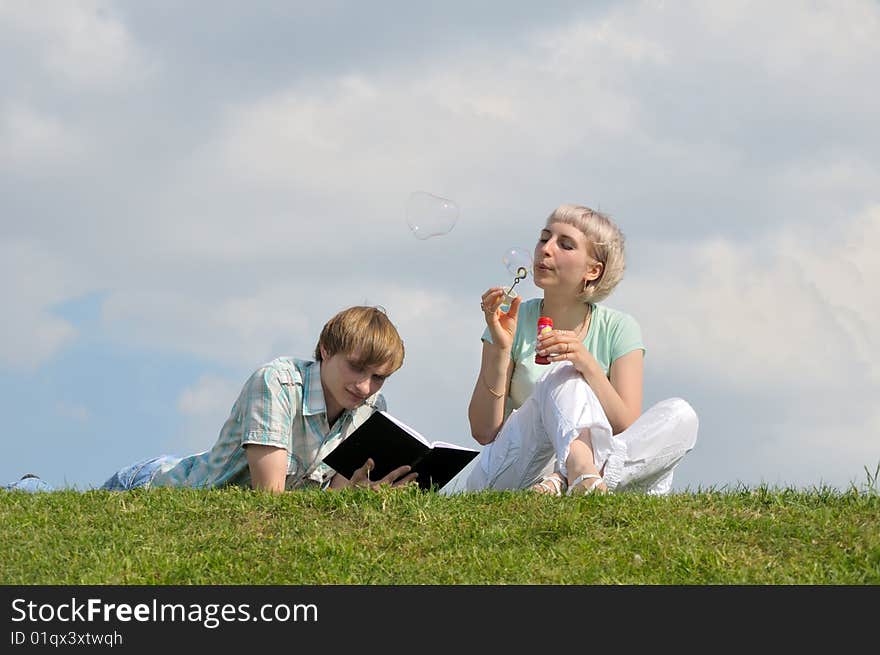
(536, 439)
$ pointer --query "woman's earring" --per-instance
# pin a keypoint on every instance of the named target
(584, 290)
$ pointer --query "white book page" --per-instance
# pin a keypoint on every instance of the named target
(413, 432)
(455, 446)
(406, 428)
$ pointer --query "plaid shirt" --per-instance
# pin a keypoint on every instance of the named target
(281, 404)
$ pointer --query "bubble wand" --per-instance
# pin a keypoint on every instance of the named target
(518, 262)
(521, 274)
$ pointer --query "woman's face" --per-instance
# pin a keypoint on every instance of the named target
(563, 259)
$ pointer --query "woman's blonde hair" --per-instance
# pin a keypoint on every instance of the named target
(606, 242)
(366, 331)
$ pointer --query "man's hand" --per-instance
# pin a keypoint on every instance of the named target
(399, 477)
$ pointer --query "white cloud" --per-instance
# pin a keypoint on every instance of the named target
(30, 139)
(791, 313)
(845, 173)
(371, 135)
(790, 323)
(31, 280)
(204, 406)
(31, 337)
(210, 395)
(640, 103)
(221, 326)
(81, 43)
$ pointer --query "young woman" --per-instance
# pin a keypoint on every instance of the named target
(575, 424)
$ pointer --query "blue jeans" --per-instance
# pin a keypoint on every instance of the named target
(30, 485)
(137, 475)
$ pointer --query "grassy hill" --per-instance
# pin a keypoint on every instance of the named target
(234, 536)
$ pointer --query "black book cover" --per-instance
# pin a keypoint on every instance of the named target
(391, 444)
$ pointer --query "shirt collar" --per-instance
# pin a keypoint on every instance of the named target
(313, 393)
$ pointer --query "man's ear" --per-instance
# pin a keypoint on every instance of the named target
(323, 350)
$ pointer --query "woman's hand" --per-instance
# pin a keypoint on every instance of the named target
(564, 345)
(502, 325)
(361, 478)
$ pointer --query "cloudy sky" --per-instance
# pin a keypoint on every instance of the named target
(188, 190)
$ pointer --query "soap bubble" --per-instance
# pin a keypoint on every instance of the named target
(518, 262)
(430, 216)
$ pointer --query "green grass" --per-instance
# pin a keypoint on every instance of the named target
(234, 536)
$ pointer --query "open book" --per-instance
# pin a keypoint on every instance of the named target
(391, 443)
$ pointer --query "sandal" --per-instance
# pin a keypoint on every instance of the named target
(577, 489)
(552, 485)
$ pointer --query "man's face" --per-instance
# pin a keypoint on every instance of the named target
(346, 384)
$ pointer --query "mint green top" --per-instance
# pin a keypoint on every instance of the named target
(612, 334)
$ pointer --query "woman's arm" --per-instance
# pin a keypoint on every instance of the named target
(621, 395)
(486, 409)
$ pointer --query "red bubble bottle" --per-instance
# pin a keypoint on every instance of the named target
(545, 324)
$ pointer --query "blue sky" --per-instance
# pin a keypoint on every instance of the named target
(188, 190)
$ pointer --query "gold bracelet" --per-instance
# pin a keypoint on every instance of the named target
(491, 390)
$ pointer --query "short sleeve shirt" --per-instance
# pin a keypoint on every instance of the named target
(282, 405)
(612, 334)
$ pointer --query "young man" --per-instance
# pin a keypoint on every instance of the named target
(289, 415)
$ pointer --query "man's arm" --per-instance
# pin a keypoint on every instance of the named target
(268, 466)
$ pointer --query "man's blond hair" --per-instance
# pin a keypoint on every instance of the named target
(365, 331)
